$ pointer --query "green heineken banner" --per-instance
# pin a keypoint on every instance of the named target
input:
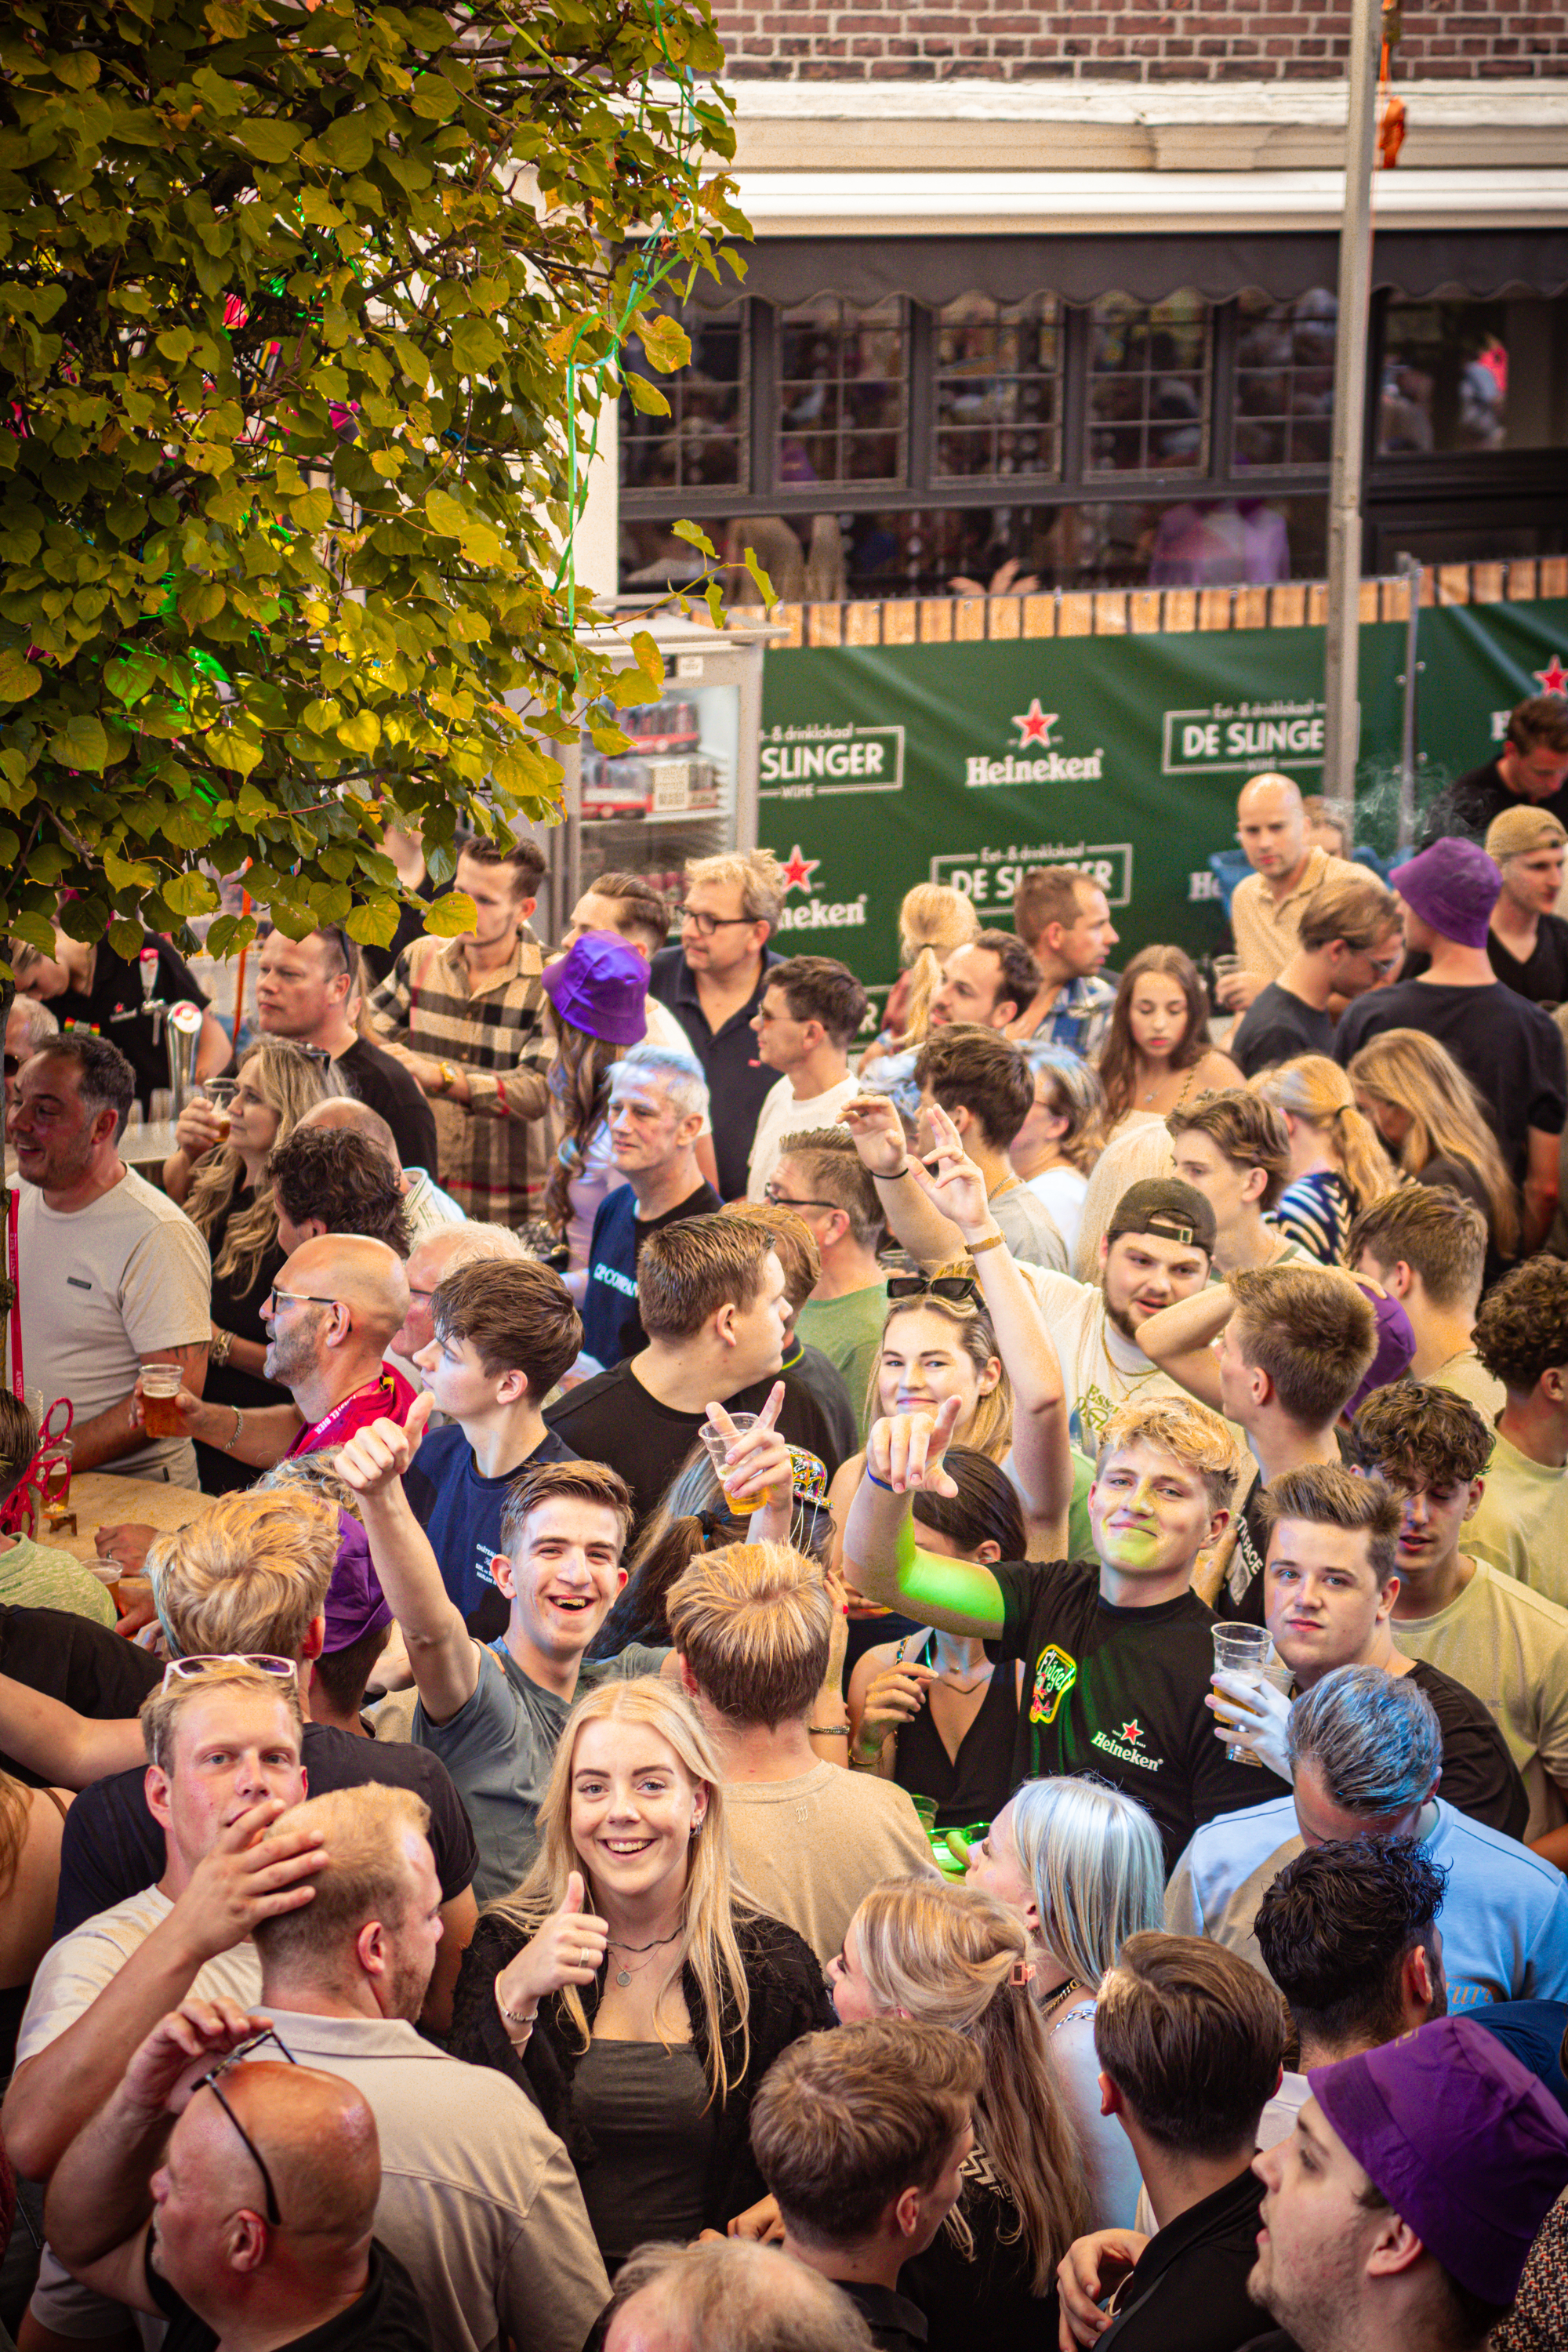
(1123, 756)
(883, 766)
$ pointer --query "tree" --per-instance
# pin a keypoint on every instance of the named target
(307, 308)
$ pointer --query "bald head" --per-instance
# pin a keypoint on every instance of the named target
(348, 1113)
(730, 2296)
(316, 2135)
(1271, 826)
(352, 1271)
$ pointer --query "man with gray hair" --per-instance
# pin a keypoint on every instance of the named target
(730, 2295)
(486, 2215)
(29, 1027)
(440, 1253)
(659, 1100)
(1366, 1756)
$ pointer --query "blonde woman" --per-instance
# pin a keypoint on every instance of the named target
(933, 921)
(1060, 1141)
(1082, 1866)
(219, 1182)
(1433, 1121)
(1338, 1164)
(627, 1985)
(955, 1955)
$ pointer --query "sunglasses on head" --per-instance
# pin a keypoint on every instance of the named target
(195, 1670)
(959, 1289)
(209, 2081)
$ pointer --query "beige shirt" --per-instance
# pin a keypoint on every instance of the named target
(1510, 1646)
(808, 1850)
(1521, 1525)
(479, 2198)
(1465, 1376)
(1265, 928)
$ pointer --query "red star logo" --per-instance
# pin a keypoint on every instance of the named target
(798, 870)
(1035, 725)
(1131, 1732)
(1553, 678)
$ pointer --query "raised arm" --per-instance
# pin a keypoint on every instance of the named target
(1042, 1456)
(441, 1650)
(930, 1237)
(1540, 1184)
(882, 1558)
(66, 1749)
(1181, 1339)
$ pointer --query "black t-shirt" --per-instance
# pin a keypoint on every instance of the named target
(84, 1665)
(612, 1418)
(113, 1005)
(380, 1080)
(1119, 1693)
(1471, 801)
(897, 2325)
(1544, 978)
(1479, 1776)
(1187, 2291)
(387, 2317)
(1509, 1048)
(813, 1370)
(238, 1309)
(612, 1327)
(112, 1847)
(460, 1511)
(1277, 1026)
(738, 1083)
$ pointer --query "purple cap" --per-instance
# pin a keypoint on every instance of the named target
(1395, 1346)
(600, 985)
(356, 1602)
(1468, 2147)
(1453, 885)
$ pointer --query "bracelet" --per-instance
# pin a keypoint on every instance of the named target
(885, 1488)
(828, 1730)
(897, 1173)
(219, 1345)
(991, 1241)
(232, 1438)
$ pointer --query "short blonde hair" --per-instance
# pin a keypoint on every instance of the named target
(1185, 1430)
(250, 1574)
(368, 1877)
(161, 1709)
(756, 874)
(753, 1622)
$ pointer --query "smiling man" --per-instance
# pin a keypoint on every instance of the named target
(658, 1108)
(1117, 1651)
(493, 1712)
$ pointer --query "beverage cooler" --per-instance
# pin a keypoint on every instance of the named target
(688, 786)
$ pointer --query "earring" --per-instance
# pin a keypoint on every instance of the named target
(696, 1824)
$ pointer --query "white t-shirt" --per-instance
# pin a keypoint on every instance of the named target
(1510, 1646)
(1522, 1525)
(73, 1972)
(1062, 1190)
(103, 1286)
(783, 1113)
(1102, 1369)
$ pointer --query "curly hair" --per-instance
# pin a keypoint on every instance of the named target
(1335, 1929)
(1521, 1331)
(1414, 1434)
(339, 1177)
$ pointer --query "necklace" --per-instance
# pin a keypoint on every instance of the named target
(1057, 1998)
(960, 1690)
(624, 1976)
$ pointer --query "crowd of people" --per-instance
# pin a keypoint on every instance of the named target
(821, 1688)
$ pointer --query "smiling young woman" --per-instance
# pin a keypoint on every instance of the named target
(637, 1996)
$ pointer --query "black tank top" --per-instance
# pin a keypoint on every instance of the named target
(978, 1785)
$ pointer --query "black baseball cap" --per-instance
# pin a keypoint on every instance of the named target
(1164, 1206)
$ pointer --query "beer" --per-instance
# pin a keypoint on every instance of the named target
(161, 1386)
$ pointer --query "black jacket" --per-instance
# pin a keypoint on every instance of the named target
(788, 1998)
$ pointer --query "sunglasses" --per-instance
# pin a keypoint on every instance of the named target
(959, 1289)
(193, 1669)
(210, 2083)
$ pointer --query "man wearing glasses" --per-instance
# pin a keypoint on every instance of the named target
(810, 1015)
(819, 1176)
(712, 983)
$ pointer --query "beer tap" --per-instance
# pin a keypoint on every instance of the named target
(155, 1005)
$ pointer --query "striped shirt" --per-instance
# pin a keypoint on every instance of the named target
(495, 1147)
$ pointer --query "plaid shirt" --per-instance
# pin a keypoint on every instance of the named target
(494, 1149)
(1079, 1019)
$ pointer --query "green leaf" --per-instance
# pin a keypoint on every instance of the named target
(232, 749)
(20, 679)
(81, 743)
(125, 939)
(361, 733)
(749, 559)
(452, 915)
(268, 138)
(645, 397)
(349, 142)
(665, 340)
(313, 511)
(696, 538)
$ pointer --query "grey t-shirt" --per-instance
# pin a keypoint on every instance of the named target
(1028, 1228)
(498, 1749)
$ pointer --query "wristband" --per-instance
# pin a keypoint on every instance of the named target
(232, 1438)
(991, 1241)
(828, 1730)
(871, 1473)
(896, 1174)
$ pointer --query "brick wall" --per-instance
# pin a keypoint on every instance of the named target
(1129, 40)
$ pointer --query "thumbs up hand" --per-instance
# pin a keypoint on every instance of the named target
(373, 1456)
(567, 1949)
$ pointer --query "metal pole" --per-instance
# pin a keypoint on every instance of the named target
(1411, 567)
(1342, 721)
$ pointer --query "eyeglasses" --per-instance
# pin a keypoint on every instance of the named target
(210, 2083)
(959, 1289)
(301, 1297)
(706, 925)
(13, 1064)
(778, 1200)
(192, 1669)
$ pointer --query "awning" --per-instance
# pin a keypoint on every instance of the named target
(933, 236)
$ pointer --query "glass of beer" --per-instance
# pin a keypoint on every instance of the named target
(1241, 1650)
(739, 1506)
(219, 1093)
(161, 1384)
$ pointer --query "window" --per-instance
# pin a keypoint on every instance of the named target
(998, 388)
(1285, 379)
(843, 374)
(1197, 542)
(703, 440)
(1148, 386)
